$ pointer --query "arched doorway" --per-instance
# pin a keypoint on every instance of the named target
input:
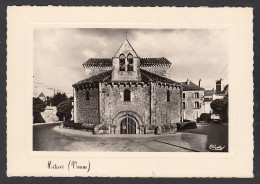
(128, 126)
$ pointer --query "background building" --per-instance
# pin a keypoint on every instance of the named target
(192, 100)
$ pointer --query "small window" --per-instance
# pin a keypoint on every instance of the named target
(87, 96)
(168, 96)
(127, 95)
(196, 95)
(183, 105)
(130, 62)
(183, 95)
(122, 62)
(197, 105)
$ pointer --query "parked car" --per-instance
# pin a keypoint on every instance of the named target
(209, 117)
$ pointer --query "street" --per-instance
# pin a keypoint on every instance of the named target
(49, 137)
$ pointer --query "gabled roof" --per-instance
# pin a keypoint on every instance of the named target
(190, 86)
(126, 48)
(145, 77)
(144, 62)
(41, 95)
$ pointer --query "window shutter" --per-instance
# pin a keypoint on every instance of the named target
(121, 95)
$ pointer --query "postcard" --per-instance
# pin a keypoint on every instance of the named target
(129, 92)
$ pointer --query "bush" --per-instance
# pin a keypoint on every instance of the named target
(38, 107)
(68, 124)
(77, 126)
(37, 118)
(64, 110)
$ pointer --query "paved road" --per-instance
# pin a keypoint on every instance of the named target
(49, 137)
(217, 134)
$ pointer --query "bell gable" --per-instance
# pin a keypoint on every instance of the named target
(126, 64)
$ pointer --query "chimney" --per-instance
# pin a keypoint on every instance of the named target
(188, 81)
(218, 86)
(200, 83)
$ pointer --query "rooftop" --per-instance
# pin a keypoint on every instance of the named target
(145, 77)
(209, 92)
(190, 86)
(144, 62)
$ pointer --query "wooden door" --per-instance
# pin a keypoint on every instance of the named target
(128, 126)
(131, 128)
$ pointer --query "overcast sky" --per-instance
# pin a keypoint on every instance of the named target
(194, 53)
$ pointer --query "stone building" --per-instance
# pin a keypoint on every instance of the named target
(192, 100)
(127, 91)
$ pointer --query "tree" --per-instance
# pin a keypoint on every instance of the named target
(64, 110)
(49, 101)
(220, 106)
(58, 98)
(38, 107)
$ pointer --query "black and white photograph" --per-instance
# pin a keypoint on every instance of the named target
(130, 90)
(95, 92)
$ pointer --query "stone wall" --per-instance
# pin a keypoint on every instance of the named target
(134, 75)
(49, 115)
(163, 111)
(112, 103)
(87, 110)
(190, 112)
(92, 71)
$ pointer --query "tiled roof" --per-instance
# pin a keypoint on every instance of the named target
(151, 77)
(209, 92)
(190, 86)
(103, 77)
(98, 62)
(145, 75)
(153, 62)
(144, 62)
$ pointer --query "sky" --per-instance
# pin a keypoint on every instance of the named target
(194, 53)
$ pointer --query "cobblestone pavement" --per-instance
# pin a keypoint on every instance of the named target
(49, 137)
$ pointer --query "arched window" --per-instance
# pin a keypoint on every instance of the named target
(127, 95)
(168, 96)
(130, 62)
(122, 62)
(87, 95)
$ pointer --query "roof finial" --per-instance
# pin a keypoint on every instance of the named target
(126, 33)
